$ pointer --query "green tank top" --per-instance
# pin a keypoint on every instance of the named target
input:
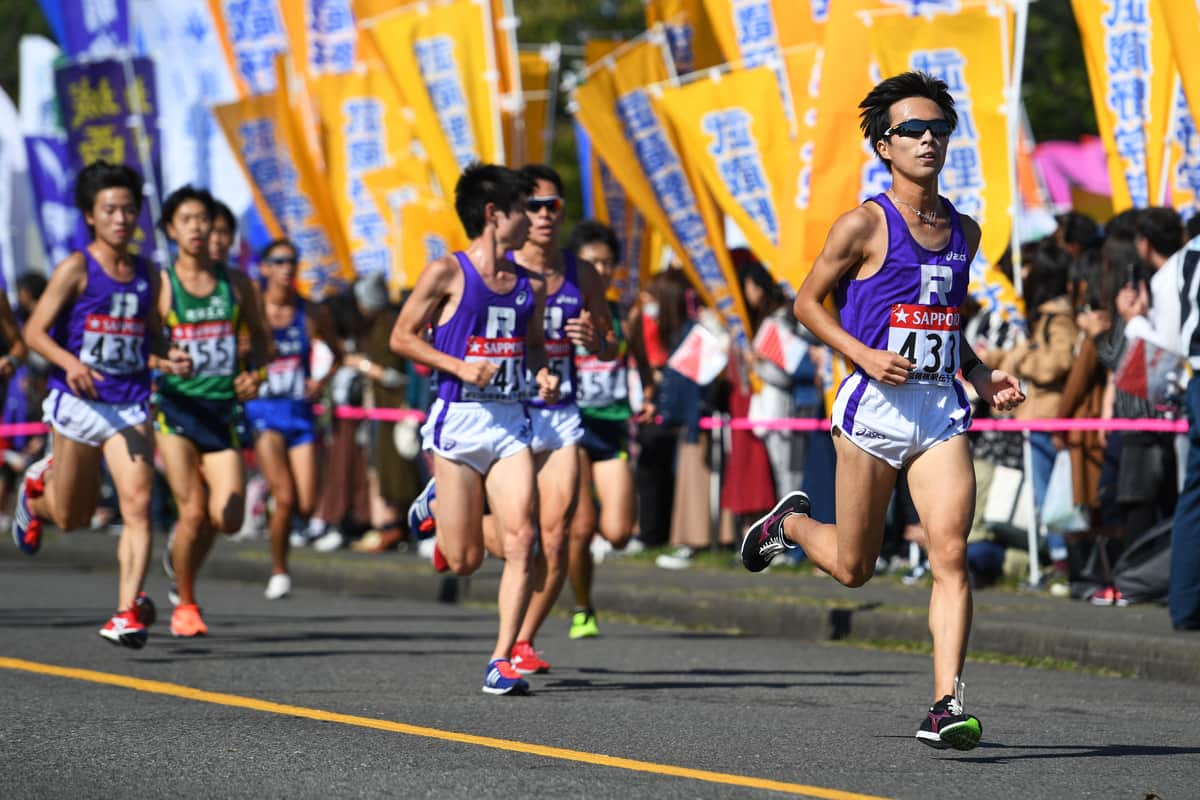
(603, 386)
(206, 328)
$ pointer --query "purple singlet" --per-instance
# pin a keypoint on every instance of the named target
(911, 305)
(487, 326)
(106, 329)
(563, 305)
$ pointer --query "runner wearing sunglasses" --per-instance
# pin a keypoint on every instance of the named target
(897, 267)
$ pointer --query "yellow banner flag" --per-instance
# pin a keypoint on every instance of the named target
(969, 51)
(322, 36)
(626, 130)
(251, 35)
(421, 227)
(287, 193)
(731, 126)
(442, 58)
(1184, 152)
(1128, 55)
(690, 33)
(364, 130)
(539, 82)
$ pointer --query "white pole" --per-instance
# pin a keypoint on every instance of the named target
(1172, 121)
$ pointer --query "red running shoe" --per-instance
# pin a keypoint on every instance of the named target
(125, 629)
(526, 661)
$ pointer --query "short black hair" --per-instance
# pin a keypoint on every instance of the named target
(875, 117)
(1122, 226)
(1193, 226)
(182, 195)
(222, 211)
(32, 282)
(593, 231)
(1162, 227)
(282, 241)
(1078, 228)
(481, 184)
(542, 172)
(100, 175)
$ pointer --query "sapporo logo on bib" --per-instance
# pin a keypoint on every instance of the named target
(211, 346)
(601, 383)
(927, 336)
(508, 354)
(112, 342)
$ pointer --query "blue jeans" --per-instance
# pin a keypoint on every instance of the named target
(1184, 588)
(1043, 453)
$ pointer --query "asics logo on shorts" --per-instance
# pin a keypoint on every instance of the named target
(869, 434)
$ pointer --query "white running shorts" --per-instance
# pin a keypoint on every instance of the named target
(90, 422)
(476, 434)
(555, 428)
(898, 423)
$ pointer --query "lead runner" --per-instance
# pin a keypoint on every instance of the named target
(906, 251)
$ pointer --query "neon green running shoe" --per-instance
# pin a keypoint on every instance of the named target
(583, 624)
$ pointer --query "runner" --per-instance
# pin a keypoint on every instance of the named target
(604, 468)
(577, 320)
(906, 253)
(204, 304)
(487, 314)
(282, 416)
(97, 324)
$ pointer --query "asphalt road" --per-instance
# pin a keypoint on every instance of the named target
(325, 694)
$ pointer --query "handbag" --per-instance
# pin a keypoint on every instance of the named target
(1059, 512)
(1007, 511)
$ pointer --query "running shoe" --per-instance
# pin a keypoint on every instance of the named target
(526, 661)
(501, 678)
(27, 528)
(186, 622)
(125, 629)
(1109, 596)
(764, 540)
(948, 725)
(143, 606)
(279, 586)
(583, 624)
(420, 517)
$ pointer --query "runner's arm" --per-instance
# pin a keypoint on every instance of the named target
(595, 332)
(250, 301)
(66, 284)
(11, 332)
(437, 283)
(164, 356)
(846, 248)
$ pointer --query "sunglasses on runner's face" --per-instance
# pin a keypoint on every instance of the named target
(281, 260)
(915, 128)
(534, 205)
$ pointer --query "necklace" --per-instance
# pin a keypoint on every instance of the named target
(929, 218)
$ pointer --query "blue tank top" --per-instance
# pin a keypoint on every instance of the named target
(289, 370)
(563, 305)
(106, 330)
(911, 305)
(487, 326)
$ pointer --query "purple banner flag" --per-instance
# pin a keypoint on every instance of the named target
(98, 106)
(94, 28)
(61, 225)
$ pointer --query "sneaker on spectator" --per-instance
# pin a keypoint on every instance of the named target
(187, 623)
(420, 516)
(329, 541)
(679, 558)
(631, 548)
(124, 628)
(583, 624)
(948, 725)
(279, 586)
(915, 574)
(297, 539)
(526, 660)
(764, 539)
(1109, 596)
(501, 678)
(600, 548)
(143, 606)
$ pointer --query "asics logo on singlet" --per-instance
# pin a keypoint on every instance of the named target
(956, 256)
(521, 299)
(866, 433)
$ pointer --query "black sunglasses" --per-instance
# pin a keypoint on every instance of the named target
(534, 205)
(281, 260)
(915, 128)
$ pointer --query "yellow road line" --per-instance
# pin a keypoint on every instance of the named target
(237, 701)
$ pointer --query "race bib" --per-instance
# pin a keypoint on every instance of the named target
(211, 345)
(601, 383)
(285, 378)
(927, 336)
(560, 357)
(508, 384)
(113, 344)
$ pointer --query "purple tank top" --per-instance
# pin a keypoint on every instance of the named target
(106, 330)
(487, 326)
(911, 305)
(563, 305)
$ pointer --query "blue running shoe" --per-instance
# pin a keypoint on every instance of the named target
(501, 678)
(420, 517)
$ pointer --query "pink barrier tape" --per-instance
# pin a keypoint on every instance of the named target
(742, 423)
(1052, 425)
